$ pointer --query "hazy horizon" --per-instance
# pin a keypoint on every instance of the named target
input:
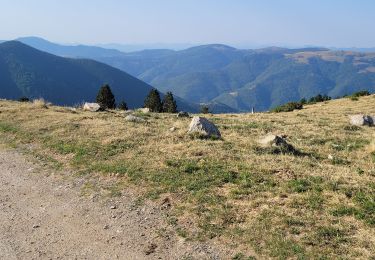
(243, 24)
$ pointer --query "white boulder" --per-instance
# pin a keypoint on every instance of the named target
(203, 127)
(361, 120)
(93, 107)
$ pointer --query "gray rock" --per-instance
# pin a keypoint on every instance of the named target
(183, 114)
(203, 127)
(93, 107)
(361, 120)
(136, 119)
(272, 140)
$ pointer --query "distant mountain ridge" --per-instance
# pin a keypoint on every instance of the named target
(25, 71)
(237, 80)
(74, 51)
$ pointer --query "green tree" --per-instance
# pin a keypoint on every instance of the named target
(153, 101)
(24, 99)
(205, 109)
(105, 98)
(123, 106)
(169, 104)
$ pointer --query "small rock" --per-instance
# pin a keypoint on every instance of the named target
(277, 141)
(151, 249)
(93, 107)
(182, 114)
(172, 129)
(106, 227)
(166, 203)
(204, 127)
(135, 119)
(36, 226)
(330, 157)
(272, 140)
(361, 120)
(144, 110)
(113, 207)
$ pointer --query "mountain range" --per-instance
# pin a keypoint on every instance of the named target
(234, 80)
(28, 72)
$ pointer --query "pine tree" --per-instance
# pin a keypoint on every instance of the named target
(169, 104)
(123, 106)
(153, 101)
(205, 109)
(105, 98)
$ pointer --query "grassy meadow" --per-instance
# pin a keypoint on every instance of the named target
(318, 203)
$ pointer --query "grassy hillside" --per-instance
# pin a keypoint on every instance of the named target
(318, 203)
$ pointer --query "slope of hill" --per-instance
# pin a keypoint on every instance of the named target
(25, 71)
(317, 202)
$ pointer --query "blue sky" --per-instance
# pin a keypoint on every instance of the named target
(339, 23)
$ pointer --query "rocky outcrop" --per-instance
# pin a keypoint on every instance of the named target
(203, 127)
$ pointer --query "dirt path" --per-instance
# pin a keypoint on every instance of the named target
(43, 216)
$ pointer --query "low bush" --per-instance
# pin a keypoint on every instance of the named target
(361, 93)
(288, 107)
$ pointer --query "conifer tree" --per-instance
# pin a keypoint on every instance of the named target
(169, 104)
(153, 101)
(105, 98)
(205, 109)
(123, 106)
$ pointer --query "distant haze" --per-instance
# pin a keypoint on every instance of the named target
(240, 23)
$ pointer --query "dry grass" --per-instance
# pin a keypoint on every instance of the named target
(40, 103)
(280, 205)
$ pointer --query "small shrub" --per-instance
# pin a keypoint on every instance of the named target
(205, 110)
(288, 107)
(123, 106)
(241, 256)
(24, 99)
(319, 98)
(352, 128)
(361, 93)
(40, 103)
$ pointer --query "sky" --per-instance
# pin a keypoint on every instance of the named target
(329, 23)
